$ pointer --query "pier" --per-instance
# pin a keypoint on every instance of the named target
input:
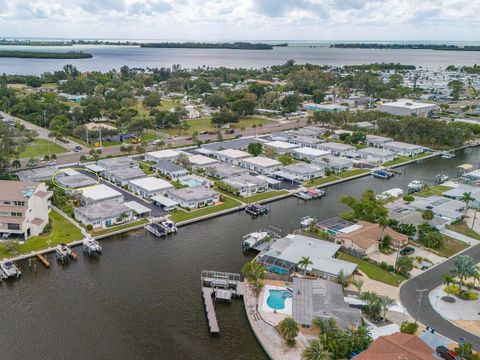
(43, 260)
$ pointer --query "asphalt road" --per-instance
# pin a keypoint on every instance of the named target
(431, 279)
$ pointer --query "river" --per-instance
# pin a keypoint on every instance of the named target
(106, 58)
(141, 299)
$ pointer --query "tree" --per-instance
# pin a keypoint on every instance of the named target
(224, 116)
(342, 279)
(367, 208)
(304, 263)
(315, 351)
(219, 135)
(455, 87)
(16, 164)
(358, 283)
(464, 267)
(95, 154)
(255, 148)
(373, 306)
(385, 303)
(152, 99)
(244, 107)
(405, 265)
(408, 198)
(11, 143)
(184, 161)
(383, 223)
(288, 329)
(290, 103)
(467, 198)
(318, 96)
(447, 281)
(428, 215)
(255, 273)
(409, 328)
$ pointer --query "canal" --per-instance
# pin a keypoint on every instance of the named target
(141, 299)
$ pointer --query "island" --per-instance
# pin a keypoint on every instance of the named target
(45, 55)
(203, 45)
(406, 46)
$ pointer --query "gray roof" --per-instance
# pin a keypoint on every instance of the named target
(75, 181)
(373, 151)
(102, 211)
(169, 166)
(378, 139)
(301, 168)
(232, 144)
(332, 161)
(336, 146)
(246, 180)
(126, 173)
(40, 174)
(321, 299)
(224, 170)
(116, 162)
(193, 193)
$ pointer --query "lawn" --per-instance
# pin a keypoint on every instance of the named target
(374, 272)
(351, 173)
(41, 147)
(119, 227)
(62, 231)
(254, 198)
(183, 215)
(450, 247)
(145, 167)
(462, 228)
(322, 181)
(402, 159)
(433, 190)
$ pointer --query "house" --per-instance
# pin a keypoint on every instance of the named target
(397, 346)
(103, 215)
(334, 163)
(121, 176)
(194, 197)
(442, 207)
(224, 170)
(406, 107)
(260, 164)
(232, 156)
(406, 214)
(324, 107)
(303, 171)
(457, 194)
(322, 299)
(192, 112)
(74, 182)
(283, 255)
(305, 141)
(308, 153)
(281, 147)
(117, 162)
(170, 169)
(24, 208)
(149, 186)
(200, 161)
(376, 155)
(364, 237)
(404, 149)
(164, 202)
(39, 174)
(337, 149)
(377, 141)
(100, 193)
(162, 155)
(247, 185)
(363, 125)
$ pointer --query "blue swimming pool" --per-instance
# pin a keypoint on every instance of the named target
(191, 182)
(276, 298)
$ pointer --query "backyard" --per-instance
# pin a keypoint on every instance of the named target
(41, 147)
(119, 227)
(433, 190)
(403, 159)
(256, 197)
(462, 228)
(183, 215)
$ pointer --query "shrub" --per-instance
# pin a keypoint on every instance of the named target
(408, 198)
(47, 228)
(452, 289)
(408, 328)
(89, 227)
(468, 295)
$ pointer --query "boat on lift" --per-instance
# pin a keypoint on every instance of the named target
(91, 246)
(9, 270)
(63, 252)
(307, 221)
(256, 238)
(316, 193)
(415, 185)
(169, 226)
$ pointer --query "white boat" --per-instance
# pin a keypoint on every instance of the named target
(303, 195)
(91, 245)
(441, 178)
(253, 239)
(63, 252)
(415, 185)
(447, 154)
(9, 270)
(307, 221)
(156, 229)
(169, 226)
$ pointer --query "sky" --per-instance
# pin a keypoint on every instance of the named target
(211, 20)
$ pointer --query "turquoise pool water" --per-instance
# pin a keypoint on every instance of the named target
(191, 182)
(276, 299)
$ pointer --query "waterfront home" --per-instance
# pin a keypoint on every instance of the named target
(164, 202)
(138, 209)
(247, 185)
(170, 169)
(103, 215)
(376, 155)
(303, 171)
(149, 186)
(404, 213)
(261, 164)
(200, 161)
(224, 170)
(305, 141)
(162, 155)
(283, 255)
(337, 149)
(232, 156)
(406, 107)
(194, 197)
(25, 208)
(121, 176)
(71, 183)
(40, 174)
(397, 346)
(281, 147)
(442, 207)
(404, 149)
(308, 153)
(322, 299)
(365, 237)
(324, 107)
(334, 163)
(117, 163)
(241, 144)
(100, 193)
(457, 194)
(377, 141)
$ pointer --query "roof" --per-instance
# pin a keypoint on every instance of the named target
(460, 190)
(262, 161)
(226, 170)
(163, 200)
(337, 146)
(269, 180)
(440, 205)
(409, 104)
(37, 221)
(100, 192)
(245, 180)
(94, 168)
(164, 154)
(43, 173)
(241, 143)
(334, 225)
(305, 139)
(311, 152)
(116, 162)
(75, 181)
(369, 234)
(402, 145)
(301, 168)
(151, 183)
(281, 145)
(397, 346)
(233, 153)
(16, 190)
(193, 193)
(169, 166)
(70, 172)
(137, 207)
(201, 160)
(126, 173)
(103, 210)
(333, 161)
(373, 151)
(321, 299)
(379, 139)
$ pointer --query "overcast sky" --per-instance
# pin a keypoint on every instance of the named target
(443, 20)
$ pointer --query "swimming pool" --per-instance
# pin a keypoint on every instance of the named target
(192, 181)
(277, 299)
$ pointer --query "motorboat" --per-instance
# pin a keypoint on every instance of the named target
(256, 210)
(304, 195)
(156, 229)
(316, 193)
(255, 238)
(169, 226)
(447, 154)
(441, 178)
(91, 246)
(9, 270)
(63, 252)
(307, 221)
(381, 174)
(415, 185)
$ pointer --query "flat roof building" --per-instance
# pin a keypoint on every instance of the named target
(334, 163)
(162, 155)
(148, 187)
(247, 185)
(232, 156)
(406, 107)
(73, 182)
(324, 107)
(337, 149)
(117, 162)
(121, 176)
(376, 155)
(305, 141)
(194, 197)
(377, 141)
(103, 215)
(404, 149)
(225, 170)
(100, 193)
(170, 169)
(281, 147)
(260, 164)
(307, 153)
(200, 161)
(40, 174)
(442, 207)
(304, 171)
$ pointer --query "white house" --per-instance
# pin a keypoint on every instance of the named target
(232, 156)
(304, 171)
(162, 155)
(376, 155)
(377, 141)
(247, 185)
(407, 107)
(170, 169)
(307, 153)
(100, 193)
(121, 176)
(260, 164)
(194, 197)
(201, 161)
(337, 149)
(103, 215)
(404, 149)
(149, 186)
(281, 147)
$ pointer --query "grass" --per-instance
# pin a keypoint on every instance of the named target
(403, 159)
(350, 173)
(374, 272)
(449, 248)
(433, 190)
(254, 198)
(183, 215)
(146, 168)
(62, 231)
(119, 227)
(462, 228)
(41, 147)
(322, 181)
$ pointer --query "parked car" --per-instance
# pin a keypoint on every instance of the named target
(229, 131)
(447, 354)
(78, 148)
(407, 251)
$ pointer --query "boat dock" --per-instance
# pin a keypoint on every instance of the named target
(43, 260)
(208, 294)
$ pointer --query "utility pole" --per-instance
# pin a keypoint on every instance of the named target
(100, 135)
(421, 292)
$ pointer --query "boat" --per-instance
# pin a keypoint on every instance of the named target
(447, 154)
(393, 171)
(381, 174)
(256, 210)
(307, 221)
(304, 195)
(156, 229)
(316, 193)
(91, 246)
(9, 270)
(441, 178)
(169, 226)
(254, 239)
(62, 252)
(415, 185)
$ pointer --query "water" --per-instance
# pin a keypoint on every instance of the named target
(106, 58)
(141, 299)
(276, 299)
(191, 182)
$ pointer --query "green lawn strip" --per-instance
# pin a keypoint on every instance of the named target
(433, 190)
(351, 173)
(62, 232)
(462, 228)
(145, 167)
(182, 215)
(253, 198)
(450, 247)
(403, 159)
(119, 227)
(41, 147)
(322, 181)
(374, 272)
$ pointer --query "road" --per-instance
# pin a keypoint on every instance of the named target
(431, 279)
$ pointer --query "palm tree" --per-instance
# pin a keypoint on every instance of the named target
(467, 198)
(288, 329)
(315, 351)
(342, 279)
(383, 223)
(326, 327)
(358, 283)
(447, 281)
(304, 262)
(385, 303)
(428, 215)
(464, 267)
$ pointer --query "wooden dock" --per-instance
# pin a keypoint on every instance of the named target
(207, 294)
(43, 260)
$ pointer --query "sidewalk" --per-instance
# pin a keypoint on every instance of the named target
(466, 239)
